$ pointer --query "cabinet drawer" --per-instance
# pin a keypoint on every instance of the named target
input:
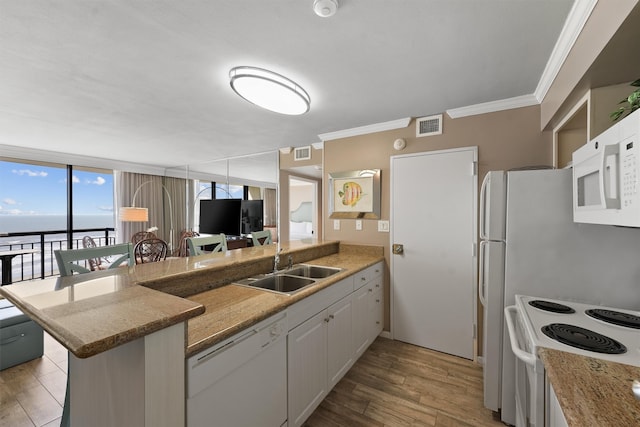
(365, 276)
(19, 343)
(310, 306)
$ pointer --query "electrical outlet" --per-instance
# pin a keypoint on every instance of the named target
(358, 224)
(336, 224)
(383, 226)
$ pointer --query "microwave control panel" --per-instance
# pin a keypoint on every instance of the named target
(629, 175)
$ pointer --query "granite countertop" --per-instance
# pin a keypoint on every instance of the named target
(94, 312)
(591, 391)
(91, 316)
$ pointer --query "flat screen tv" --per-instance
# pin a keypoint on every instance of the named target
(252, 216)
(220, 216)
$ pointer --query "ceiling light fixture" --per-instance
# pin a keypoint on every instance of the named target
(325, 8)
(269, 90)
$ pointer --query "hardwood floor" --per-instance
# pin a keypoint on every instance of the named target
(32, 394)
(393, 384)
(398, 384)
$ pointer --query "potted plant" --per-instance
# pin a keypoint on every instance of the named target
(633, 100)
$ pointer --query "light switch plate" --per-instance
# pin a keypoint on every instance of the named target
(358, 224)
(383, 226)
(336, 224)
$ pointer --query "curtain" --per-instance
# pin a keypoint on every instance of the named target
(177, 188)
(164, 197)
(270, 207)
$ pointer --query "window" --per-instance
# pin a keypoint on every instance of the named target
(34, 206)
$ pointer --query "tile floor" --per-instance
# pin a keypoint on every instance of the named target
(32, 394)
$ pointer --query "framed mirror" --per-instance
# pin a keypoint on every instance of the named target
(355, 194)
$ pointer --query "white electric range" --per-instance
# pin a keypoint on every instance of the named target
(589, 330)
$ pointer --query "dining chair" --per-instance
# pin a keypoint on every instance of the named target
(183, 248)
(196, 243)
(141, 235)
(94, 263)
(150, 250)
(261, 238)
(66, 259)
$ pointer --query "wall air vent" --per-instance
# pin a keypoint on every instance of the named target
(427, 126)
(302, 153)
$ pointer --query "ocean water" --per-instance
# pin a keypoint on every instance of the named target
(22, 223)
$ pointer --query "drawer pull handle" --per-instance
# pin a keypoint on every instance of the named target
(12, 339)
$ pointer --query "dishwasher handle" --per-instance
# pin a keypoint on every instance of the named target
(528, 358)
(227, 346)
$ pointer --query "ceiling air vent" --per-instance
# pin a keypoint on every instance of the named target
(302, 153)
(427, 126)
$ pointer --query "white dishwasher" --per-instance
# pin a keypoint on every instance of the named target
(242, 381)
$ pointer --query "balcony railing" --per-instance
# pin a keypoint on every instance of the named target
(43, 263)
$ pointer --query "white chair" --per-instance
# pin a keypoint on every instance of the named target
(66, 259)
(218, 241)
(261, 238)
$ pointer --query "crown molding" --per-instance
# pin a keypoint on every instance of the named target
(574, 24)
(493, 106)
(22, 153)
(363, 130)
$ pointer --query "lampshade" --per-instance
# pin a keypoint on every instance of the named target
(269, 90)
(132, 214)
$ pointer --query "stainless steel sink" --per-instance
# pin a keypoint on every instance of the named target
(312, 271)
(290, 280)
(280, 283)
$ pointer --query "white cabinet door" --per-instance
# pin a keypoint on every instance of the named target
(361, 322)
(339, 340)
(307, 367)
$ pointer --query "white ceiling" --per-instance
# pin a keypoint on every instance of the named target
(147, 81)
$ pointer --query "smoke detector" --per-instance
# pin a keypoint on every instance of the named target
(325, 8)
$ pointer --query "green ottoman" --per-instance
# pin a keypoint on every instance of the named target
(21, 339)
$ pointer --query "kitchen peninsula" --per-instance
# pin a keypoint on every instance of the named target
(126, 329)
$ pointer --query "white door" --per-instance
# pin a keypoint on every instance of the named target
(433, 215)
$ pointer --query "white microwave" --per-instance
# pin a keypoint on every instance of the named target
(606, 171)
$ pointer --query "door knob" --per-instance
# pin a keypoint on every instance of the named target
(397, 249)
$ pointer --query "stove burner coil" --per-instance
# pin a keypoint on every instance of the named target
(584, 339)
(553, 307)
(615, 317)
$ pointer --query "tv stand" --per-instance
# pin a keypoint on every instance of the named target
(236, 242)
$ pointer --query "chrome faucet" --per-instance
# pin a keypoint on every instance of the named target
(276, 261)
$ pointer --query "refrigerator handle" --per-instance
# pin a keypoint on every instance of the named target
(482, 287)
(483, 205)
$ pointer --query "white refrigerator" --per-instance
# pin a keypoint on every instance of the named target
(530, 245)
